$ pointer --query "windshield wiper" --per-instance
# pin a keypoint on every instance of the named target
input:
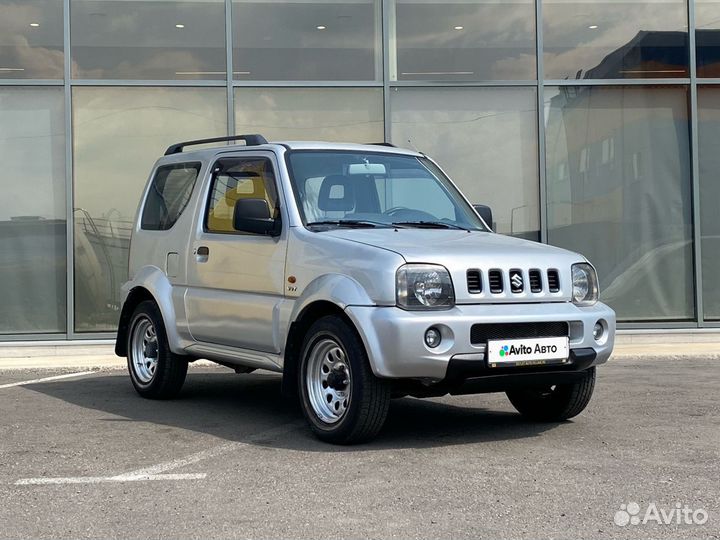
(430, 225)
(357, 223)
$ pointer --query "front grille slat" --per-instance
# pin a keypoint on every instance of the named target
(481, 333)
(474, 281)
(535, 281)
(495, 280)
(553, 280)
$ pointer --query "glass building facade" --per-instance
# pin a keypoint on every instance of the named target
(585, 124)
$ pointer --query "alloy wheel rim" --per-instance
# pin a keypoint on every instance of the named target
(144, 350)
(328, 381)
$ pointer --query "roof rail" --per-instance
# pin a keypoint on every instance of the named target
(391, 145)
(250, 140)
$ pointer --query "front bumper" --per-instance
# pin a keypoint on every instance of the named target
(394, 338)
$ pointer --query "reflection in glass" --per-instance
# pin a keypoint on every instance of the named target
(153, 39)
(31, 39)
(707, 37)
(315, 114)
(619, 192)
(32, 210)
(485, 139)
(118, 134)
(310, 40)
(708, 136)
(464, 40)
(587, 39)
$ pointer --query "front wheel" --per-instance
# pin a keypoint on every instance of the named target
(156, 372)
(341, 398)
(554, 403)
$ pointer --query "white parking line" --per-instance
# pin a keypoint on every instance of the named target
(182, 462)
(47, 379)
(155, 472)
(212, 452)
(106, 479)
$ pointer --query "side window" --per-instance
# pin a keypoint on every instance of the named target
(235, 179)
(169, 194)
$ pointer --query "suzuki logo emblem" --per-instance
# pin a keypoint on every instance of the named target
(517, 281)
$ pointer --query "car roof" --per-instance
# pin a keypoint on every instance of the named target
(207, 154)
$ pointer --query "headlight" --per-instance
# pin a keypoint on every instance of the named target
(585, 284)
(424, 286)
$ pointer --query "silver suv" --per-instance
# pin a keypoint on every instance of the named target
(359, 272)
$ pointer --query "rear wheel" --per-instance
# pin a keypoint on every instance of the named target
(341, 398)
(554, 403)
(155, 371)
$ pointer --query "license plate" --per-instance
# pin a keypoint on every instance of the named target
(529, 351)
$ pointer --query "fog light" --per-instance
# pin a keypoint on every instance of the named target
(598, 331)
(432, 337)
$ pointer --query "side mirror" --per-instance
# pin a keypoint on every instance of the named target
(484, 212)
(253, 216)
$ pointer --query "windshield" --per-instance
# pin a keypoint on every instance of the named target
(355, 189)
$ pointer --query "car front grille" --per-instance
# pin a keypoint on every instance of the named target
(517, 279)
(481, 333)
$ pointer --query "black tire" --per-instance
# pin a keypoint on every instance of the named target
(554, 404)
(169, 373)
(369, 397)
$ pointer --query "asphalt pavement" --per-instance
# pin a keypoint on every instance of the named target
(82, 456)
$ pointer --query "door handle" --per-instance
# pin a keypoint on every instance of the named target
(202, 253)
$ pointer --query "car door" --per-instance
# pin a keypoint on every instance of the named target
(235, 278)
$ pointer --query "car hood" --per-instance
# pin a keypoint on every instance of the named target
(459, 251)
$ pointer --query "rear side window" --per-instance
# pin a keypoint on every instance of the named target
(169, 194)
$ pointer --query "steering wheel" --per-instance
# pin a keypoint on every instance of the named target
(403, 212)
(394, 210)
